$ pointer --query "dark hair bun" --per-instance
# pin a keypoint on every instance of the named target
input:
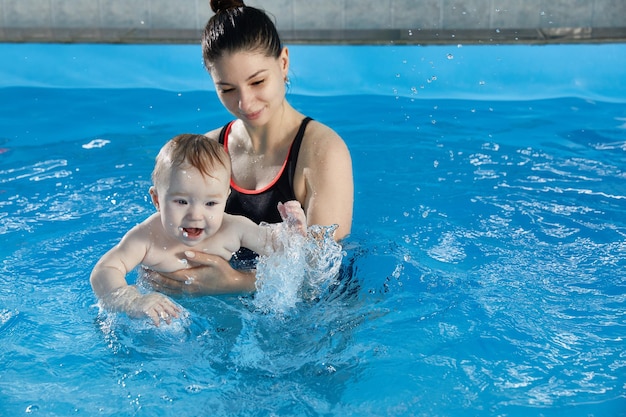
(222, 5)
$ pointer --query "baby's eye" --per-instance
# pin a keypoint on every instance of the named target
(211, 203)
(180, 201)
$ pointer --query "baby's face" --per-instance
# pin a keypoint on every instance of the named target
(192, 204)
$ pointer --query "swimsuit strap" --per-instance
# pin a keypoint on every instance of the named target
(294, 150)
(224, 132)
(260, 205)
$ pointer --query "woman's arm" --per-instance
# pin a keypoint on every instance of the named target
(207, 274)
(324, 180)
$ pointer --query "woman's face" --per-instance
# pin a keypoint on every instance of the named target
(251, 85)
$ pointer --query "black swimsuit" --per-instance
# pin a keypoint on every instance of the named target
(260, 205)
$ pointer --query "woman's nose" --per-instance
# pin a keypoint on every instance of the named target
(245, 100)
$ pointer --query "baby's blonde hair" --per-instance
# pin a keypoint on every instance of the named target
(200, 152)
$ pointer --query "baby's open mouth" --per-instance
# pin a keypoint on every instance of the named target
(192, 231)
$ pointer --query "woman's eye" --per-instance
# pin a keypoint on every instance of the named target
(258, 82)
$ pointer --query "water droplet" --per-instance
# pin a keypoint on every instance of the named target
(193, 389)
(31, 408)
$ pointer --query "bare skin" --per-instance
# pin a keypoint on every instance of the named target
(190, 215)
(251, 86)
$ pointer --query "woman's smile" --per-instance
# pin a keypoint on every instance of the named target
(252, 116)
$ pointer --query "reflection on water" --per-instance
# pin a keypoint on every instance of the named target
(484, 274)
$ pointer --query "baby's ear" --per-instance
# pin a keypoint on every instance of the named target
(154, 196)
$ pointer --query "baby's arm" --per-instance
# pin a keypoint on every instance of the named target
(108, 280)
(264, 239)
(292, 213)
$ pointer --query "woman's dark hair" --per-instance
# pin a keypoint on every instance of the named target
(236, 27)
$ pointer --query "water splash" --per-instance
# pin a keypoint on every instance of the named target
(96, 143)
(123, 334)
(300, 272)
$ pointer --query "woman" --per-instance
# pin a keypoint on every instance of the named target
(277, 153)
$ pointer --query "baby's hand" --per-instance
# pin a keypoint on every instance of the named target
(292, 214)
(155, 306)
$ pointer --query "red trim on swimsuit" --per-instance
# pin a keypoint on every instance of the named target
(268, 186)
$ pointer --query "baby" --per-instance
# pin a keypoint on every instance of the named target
(191, 182)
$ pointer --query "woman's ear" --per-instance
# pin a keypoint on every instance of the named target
(154, 196)
(284, 62)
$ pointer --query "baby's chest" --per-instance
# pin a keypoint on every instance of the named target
(170, 260)
(163, 261)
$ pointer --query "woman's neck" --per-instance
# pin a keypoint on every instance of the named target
(277, 133)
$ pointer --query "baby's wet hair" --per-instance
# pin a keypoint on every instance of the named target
(202, 153)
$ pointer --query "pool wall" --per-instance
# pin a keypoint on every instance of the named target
(498, 72)
(322, 21)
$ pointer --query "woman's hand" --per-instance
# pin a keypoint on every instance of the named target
(207, 275)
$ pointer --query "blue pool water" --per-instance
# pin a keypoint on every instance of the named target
(485, 274)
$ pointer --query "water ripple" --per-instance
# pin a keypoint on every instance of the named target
(36, 172)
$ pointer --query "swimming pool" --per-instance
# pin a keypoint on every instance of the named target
(484, 276)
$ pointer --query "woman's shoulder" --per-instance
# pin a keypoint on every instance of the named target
(318, 135)
(214, 134)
